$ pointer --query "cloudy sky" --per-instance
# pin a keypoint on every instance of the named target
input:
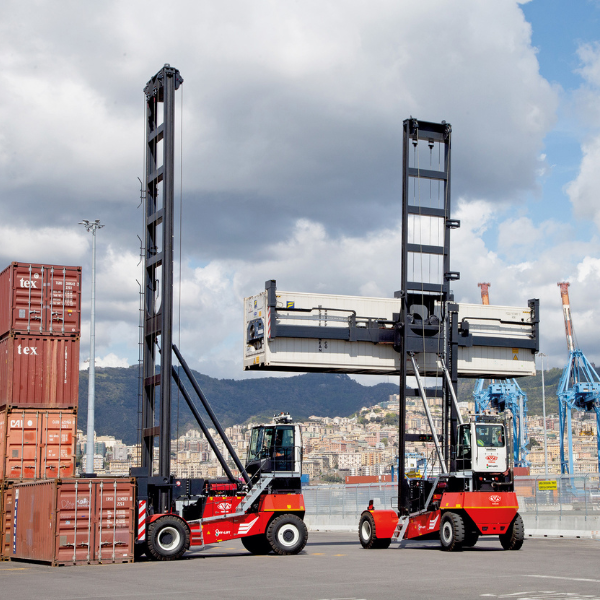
(290, 129)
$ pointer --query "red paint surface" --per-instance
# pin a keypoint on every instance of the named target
(39, 299)
(39, 371)
(423, 524)
(385, 523)
(492, 512)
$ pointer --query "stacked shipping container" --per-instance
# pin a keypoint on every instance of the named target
(40, 324)
(45, 513)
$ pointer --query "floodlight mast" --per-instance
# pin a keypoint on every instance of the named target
(91, 226)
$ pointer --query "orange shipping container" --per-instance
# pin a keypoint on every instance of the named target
(37, 299)
(73, 521)
(37, 444)
(38, 371)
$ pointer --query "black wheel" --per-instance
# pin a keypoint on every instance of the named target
(257, 544)
(452, 532)
(287, 534)
(367, 535)
(471, 538)
(514, 536)
(168, 538)
(139, 550)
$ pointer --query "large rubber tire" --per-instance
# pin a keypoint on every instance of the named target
(287, 534)
(168, 538)
(368, 536)
(471, 538)
(257, 544)
(452, 532)
(514, 536)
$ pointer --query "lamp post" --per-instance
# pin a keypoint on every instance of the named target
(544, 413)
(91, 226)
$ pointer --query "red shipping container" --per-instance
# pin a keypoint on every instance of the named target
(6, 520)
(354, 479)
(39, 371)
(37, 444)
(39, 299)
(73, 521)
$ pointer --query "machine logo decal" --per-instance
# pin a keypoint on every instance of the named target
(433, 522)
(495, 499)
(491, 458)
(224, 506)
(218, 532)
(246, 527)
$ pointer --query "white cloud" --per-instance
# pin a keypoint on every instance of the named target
(583, 190)
(110, 360)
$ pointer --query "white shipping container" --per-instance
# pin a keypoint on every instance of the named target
(308, 354)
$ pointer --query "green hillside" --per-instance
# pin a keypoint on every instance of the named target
(238, 401)
(234, 401)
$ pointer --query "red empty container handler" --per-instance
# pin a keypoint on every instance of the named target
(39, 371)
(37, 444)
(39, 299)
(71, 521)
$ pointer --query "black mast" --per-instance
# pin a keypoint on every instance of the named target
(158, 272)
(423, 327)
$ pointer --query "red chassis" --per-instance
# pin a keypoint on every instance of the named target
(471, 514)
(222, 527)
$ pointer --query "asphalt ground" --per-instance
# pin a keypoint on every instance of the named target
(332, 566)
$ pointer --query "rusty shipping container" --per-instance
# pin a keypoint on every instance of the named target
(39, 371)
(37, 444)
(73, 521)
(6, 520)
(38, 299)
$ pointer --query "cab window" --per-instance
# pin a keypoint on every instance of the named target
(490, 436)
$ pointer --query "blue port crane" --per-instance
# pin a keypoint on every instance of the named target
(579, 388)
(505, 395)
(502, 395)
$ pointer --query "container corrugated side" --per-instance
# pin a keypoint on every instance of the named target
(37, 444)
(39, 372)
(84, 521)
(6, 520)
(40, 299)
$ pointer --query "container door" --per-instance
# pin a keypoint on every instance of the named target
(27, 302)
(62, 303)
(75, 521)
(115, 526)
(57, 450)
(22, 445)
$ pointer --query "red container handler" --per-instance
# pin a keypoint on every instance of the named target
(73, 521)
(39, 299)
(37, 444)
(39, 371)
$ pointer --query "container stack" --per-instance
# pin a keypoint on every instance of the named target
(46, 513)
(40, 325)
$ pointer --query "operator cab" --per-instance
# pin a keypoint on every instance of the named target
(482, 449)
(275, 448)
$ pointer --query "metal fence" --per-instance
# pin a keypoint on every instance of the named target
(575, 495)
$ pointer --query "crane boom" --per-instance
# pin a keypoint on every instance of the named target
(564, 294)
